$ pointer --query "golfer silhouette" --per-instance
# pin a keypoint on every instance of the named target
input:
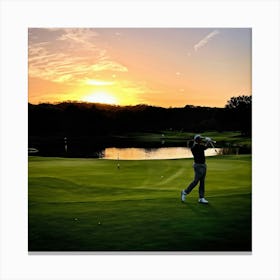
(199, 169)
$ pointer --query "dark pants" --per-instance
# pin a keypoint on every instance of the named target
(199, 176)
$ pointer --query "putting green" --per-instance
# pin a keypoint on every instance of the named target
(91, 205)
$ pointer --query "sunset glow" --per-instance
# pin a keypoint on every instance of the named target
(101, 97)
(168, 67)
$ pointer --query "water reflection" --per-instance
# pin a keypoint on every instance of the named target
(157, 153)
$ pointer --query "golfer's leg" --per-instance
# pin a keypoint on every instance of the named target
(201, 189)
(195, 181)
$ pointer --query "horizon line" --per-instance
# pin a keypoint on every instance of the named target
(117, 105)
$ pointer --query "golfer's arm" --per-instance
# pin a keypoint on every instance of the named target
(207, 145)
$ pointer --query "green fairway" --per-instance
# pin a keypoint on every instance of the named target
(91, 205)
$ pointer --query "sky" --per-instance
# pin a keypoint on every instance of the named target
(167, 67)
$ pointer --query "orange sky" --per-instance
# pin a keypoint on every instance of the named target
(168, 67)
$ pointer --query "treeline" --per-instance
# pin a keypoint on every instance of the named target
(90, 119)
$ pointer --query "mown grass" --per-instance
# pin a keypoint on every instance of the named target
(91, 205)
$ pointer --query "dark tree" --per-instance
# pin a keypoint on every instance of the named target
(243, 102)
(239, 113)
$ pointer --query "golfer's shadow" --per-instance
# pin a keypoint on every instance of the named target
(203, 208)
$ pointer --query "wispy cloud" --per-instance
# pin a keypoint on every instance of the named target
(205, 40)
(83, 36)
(108, 65)
(68, 55)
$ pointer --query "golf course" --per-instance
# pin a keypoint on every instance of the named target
(77, 204)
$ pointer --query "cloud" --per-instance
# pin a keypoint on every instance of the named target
(108, 65)
(205, 40)
(79, 35)
(68, 55)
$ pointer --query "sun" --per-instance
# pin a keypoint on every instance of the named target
(101, 97)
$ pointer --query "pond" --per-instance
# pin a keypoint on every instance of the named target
(107, 148)
(152, 153)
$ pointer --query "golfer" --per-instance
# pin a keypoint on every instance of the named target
(199, 169)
